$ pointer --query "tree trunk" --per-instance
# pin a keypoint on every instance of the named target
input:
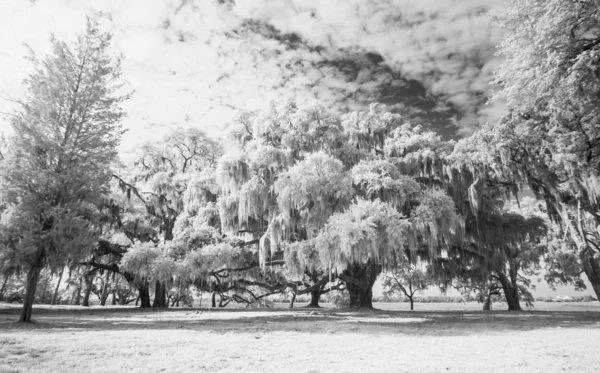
(105, 293)
(359, 279)
(77, 293)
(122, 298)
(412, 308)
(176, 303)
(46, 282)
(32, 279)
(293, 299)
(103, 299)
(89, 281)
(314, 299)
(168, 233)
(160, 295)
(57, 286)
(144, 295)
(214, 300)
(114, 298)
(487, 303)
(6, 277)
(511, 293)
(591, 267)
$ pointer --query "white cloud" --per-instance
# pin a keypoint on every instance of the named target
(188, 66)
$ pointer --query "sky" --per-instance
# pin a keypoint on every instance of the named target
(198, 62)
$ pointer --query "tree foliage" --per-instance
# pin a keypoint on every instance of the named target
(56, 173)
(408, 280)
(548, 139)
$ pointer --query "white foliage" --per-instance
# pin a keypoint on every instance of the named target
(367, 230)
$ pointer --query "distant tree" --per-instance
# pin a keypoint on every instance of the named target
(483, 289)
(407, 279)
(56, 173)
(503, 246)
(172, 177)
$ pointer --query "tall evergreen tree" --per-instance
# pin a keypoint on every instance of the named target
(66, 133)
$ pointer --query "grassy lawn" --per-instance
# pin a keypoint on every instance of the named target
(555, 337)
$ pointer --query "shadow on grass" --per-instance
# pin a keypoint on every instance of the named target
(319, 321)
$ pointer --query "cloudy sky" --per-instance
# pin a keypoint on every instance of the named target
(197, 62)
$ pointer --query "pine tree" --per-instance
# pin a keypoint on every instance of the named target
(66, 134)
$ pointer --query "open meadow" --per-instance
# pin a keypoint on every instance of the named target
(449, 337)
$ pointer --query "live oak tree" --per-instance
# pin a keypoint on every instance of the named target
(295, 175)
(173, 176)
(308, 194)
(259, 188)
(175, 184)
(502, 256)
(122, 224)
(549, 137)
(501, 245)
(403, 171)
(66, 132)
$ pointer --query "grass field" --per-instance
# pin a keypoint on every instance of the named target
(555, 337)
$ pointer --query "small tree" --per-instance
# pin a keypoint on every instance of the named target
(66, 134)
(408, 279)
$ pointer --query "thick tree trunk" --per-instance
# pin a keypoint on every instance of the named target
(412, 303)
(591, 267)
(144, 295)
(293, 300)
(359, 279)
(511, 293)
(160, 295)
(114, 298)
(32, 279)
(57, 286)
(213, 303)
(314, 299)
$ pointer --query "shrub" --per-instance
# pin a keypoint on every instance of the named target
(561, 299)
(339, 299)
